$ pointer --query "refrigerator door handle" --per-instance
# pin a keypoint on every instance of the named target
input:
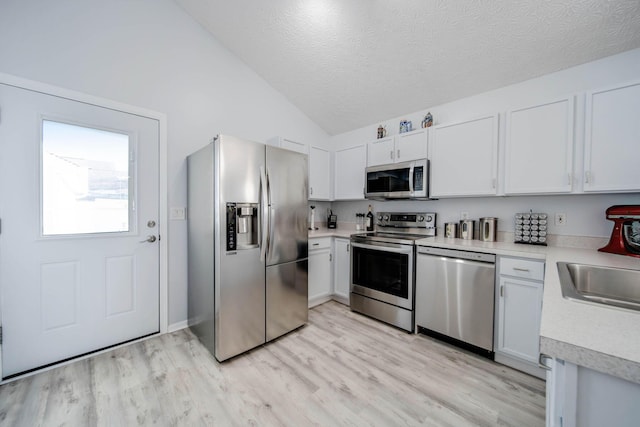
(264, 217)
(268, 217)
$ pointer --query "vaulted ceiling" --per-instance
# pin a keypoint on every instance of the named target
(351, 63)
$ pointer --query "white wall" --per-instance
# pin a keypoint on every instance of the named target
(585, 213)
(151, 54)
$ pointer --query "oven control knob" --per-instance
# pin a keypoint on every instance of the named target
(420, 218)
(379, 217)
(386, 217)
(429, 218)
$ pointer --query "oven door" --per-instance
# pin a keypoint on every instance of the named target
(383, 271)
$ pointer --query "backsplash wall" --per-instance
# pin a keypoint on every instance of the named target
(320, 211)
(584, 213)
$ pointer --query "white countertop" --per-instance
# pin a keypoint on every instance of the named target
(498, 248)
(342, 231)
(599, 337)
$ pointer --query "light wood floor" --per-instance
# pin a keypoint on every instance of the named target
(342, 369)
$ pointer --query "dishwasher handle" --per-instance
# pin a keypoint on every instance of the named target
(454, 253)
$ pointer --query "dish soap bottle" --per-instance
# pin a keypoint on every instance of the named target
(369, 220)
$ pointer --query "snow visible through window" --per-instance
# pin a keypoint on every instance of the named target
(86, 180)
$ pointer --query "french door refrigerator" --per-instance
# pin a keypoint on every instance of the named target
(248, 245)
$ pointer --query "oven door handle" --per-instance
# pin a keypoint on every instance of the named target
(385, 247)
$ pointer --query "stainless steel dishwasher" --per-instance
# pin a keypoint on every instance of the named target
(455, 297)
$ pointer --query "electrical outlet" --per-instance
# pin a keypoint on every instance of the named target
(464, 215)
(561, 219)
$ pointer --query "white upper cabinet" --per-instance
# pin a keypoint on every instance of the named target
(319, 166)
(289, 144)
(319, 174)
(411, 145)
(612, 139)
(464, 158)
(380, 151)
(539, 148)
(398, 148)
(349, 177)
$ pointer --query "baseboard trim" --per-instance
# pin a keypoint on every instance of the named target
(177, 326)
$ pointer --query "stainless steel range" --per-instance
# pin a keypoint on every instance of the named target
(383, 266)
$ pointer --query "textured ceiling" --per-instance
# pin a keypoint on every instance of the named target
(352, 63)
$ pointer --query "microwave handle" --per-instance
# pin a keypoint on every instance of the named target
(411, 186)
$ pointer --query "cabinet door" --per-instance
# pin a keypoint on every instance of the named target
(464, 158)
(539, 148)
(411, 146)
(294, 146)
(612, 140)
(380, 152)
(349, 176)
(319, 173)
(520, 305)
(342, 278)
(319, 275)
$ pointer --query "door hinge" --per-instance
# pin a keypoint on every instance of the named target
(0, 335)
(330, 257)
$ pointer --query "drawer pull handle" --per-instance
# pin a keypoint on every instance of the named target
(524, 270)
(316, 244)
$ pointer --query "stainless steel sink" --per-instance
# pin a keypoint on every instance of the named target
(618, 287)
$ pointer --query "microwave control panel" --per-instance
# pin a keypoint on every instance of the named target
(418, 174)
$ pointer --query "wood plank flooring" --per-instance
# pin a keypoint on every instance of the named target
(342, 369)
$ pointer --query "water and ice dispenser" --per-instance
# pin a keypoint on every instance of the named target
(242, 226)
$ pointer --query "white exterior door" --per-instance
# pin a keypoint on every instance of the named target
(79, 204)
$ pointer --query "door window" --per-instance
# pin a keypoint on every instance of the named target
(86, 180)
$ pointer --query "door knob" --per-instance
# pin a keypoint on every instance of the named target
(149, 239)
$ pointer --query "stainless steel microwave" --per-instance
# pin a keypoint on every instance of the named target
(406, 180)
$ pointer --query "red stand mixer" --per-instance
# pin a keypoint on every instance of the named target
(625, 238)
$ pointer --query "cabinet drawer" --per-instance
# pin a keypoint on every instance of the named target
(525, 268)
(319, 243)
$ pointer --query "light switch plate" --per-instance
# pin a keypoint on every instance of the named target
(178, 213)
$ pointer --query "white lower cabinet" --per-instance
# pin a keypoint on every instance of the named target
(342, 270)
(519, 302)
(579, 396)
(319, 275)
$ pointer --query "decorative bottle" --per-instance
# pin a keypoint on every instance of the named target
(369, 220)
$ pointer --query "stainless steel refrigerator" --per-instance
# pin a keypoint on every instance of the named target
(247, 230)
